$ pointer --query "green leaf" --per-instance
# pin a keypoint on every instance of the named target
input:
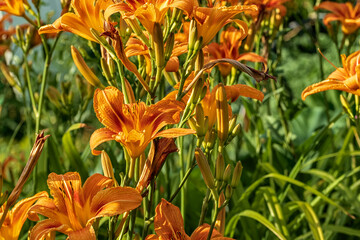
(256, 216)
(312, 220)
(72, 153)
(341, 229)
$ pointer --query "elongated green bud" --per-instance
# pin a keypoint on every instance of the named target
(220, 167)
(169, 46)
(204, 168)
(236, 175)
(227, 173)
(159, 46)
(222, 115)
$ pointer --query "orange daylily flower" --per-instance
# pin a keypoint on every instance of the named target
(148, 12)
(269, 5)
(343, 79)
(211, 20)
(169, 224)
(14, 7)
(17, 216)
(133, 125)
(230, 42)
(135, 47)
(348, 15)
(87, 15)
(75, 207)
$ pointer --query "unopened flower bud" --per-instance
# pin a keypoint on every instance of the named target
(54, 96)
(209, 140)
(107, 166)
(235, 132)
(169, 46)
(9, 77)
(19, 33)
(158, 46)
(220, 167)
(84, 69)
(236, 175)
(129, 91)
(232, 123)
(346, 106)
(222, 115)
(227, 173)
(192, 36)
(228, 192)
(204, 168)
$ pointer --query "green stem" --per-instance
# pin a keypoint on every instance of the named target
(214, 218)
(187, 174)
(131, 224)
(204, 207)
(122, 80)
(147, 209)
(28, 81)
(182, 173)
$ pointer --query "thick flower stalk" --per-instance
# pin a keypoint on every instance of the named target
(343, 79)
(133, 125)
(74, 208)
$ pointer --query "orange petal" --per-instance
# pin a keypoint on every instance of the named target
(174, 132)
(161, 114)
(41, 229)
(87, 233)
(108, 106)
(98, 137)
(115, 201)
(94, 184)
(327, 85)
(168, 221)
(172, 65)
(51, 28)
(233, 92)
(202, 232)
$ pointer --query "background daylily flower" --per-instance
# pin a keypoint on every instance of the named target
(348, 15)
(211, 20)
(148, 12)
(230, 42)
(133, 125)
(75, 207)
(343, 79)
(17, 216)
(169, 224)
(87, 15)
(14, 7)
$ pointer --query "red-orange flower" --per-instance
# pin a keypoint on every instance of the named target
(14, 7)
(75, 207)
(169, 224)
(133, 125)
(343, 79)
(348, 15)
(88, 14)
(16, 217)
(230, 42)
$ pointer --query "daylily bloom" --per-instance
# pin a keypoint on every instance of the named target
(343, 79)
(344, 12)
(169, 224)
(75, 207)
(211, 20)
(135, 47)
(17, 216)
(148, 12)
(14, 7)
(269, 5)
(230, 42)
(87, 15)
(133, 125)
